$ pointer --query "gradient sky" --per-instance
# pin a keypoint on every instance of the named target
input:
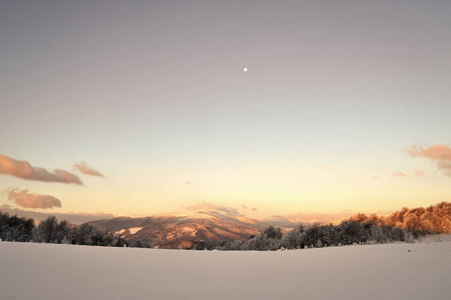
(152, 94)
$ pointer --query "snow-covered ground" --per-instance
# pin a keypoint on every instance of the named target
(395, 271)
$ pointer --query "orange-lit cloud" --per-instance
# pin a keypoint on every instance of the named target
(188, 183)
(419, 173)
(374, 177)
(24, 170)
(87, 170)
(311, 218)
(31, 200)
(211, 206)
(445, 166)
(438, 153)
(246, 207)
(399, 174)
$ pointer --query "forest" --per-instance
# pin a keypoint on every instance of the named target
(318, 236)
(50, 230)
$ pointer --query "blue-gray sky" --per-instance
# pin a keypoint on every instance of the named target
(153, 95)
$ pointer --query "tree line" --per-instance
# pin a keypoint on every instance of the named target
(434, 219)
(50, 230)
(317, 236)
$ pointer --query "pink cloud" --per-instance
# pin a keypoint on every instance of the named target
(314, 217)
(246, 207)
(419, 173)
(31, 200)
(445, 166)
(87, 170)
(230, 211)
(399, 174)
(437, 152)
(24, 170)
(441, 154)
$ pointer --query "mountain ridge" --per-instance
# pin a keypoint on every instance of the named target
(182, 230)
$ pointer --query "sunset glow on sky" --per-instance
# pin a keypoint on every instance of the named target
(272, 108)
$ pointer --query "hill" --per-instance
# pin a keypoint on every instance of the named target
(182, 231)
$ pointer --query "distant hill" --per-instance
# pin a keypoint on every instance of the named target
(435, 218)
(182, 231)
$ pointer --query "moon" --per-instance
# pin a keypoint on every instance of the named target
(245, 69)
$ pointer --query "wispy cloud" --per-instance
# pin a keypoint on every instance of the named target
(87, 170)
(230, 211)
(23, 170)
(441, 154)
(31, 200)
(419, 173)
(312, 218)
(399, 174)
(246, 207)
(445, 166)
(374, 177)
(189, 183)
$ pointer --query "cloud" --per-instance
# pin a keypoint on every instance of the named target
(312, 218)
(71, 217)
(24, 170)
(441, 154)
(419, 173)
(87, 170)
(437, 152)
(188, 183)
(399, 174)
(31, 200)
(246, 207)
(374, 177)
(446, 167)
(230, 211)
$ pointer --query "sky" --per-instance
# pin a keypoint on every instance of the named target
(143, 107)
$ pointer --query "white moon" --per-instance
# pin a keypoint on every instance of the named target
(245, 69)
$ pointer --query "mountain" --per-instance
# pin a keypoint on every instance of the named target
(183, 230)
(435, 218)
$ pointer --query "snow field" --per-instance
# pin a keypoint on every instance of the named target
(48, 271)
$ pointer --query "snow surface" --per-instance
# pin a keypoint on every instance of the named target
(134, 230)
(47, 271)
(121, 231)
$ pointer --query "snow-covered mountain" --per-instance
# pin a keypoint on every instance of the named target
(182, 230)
